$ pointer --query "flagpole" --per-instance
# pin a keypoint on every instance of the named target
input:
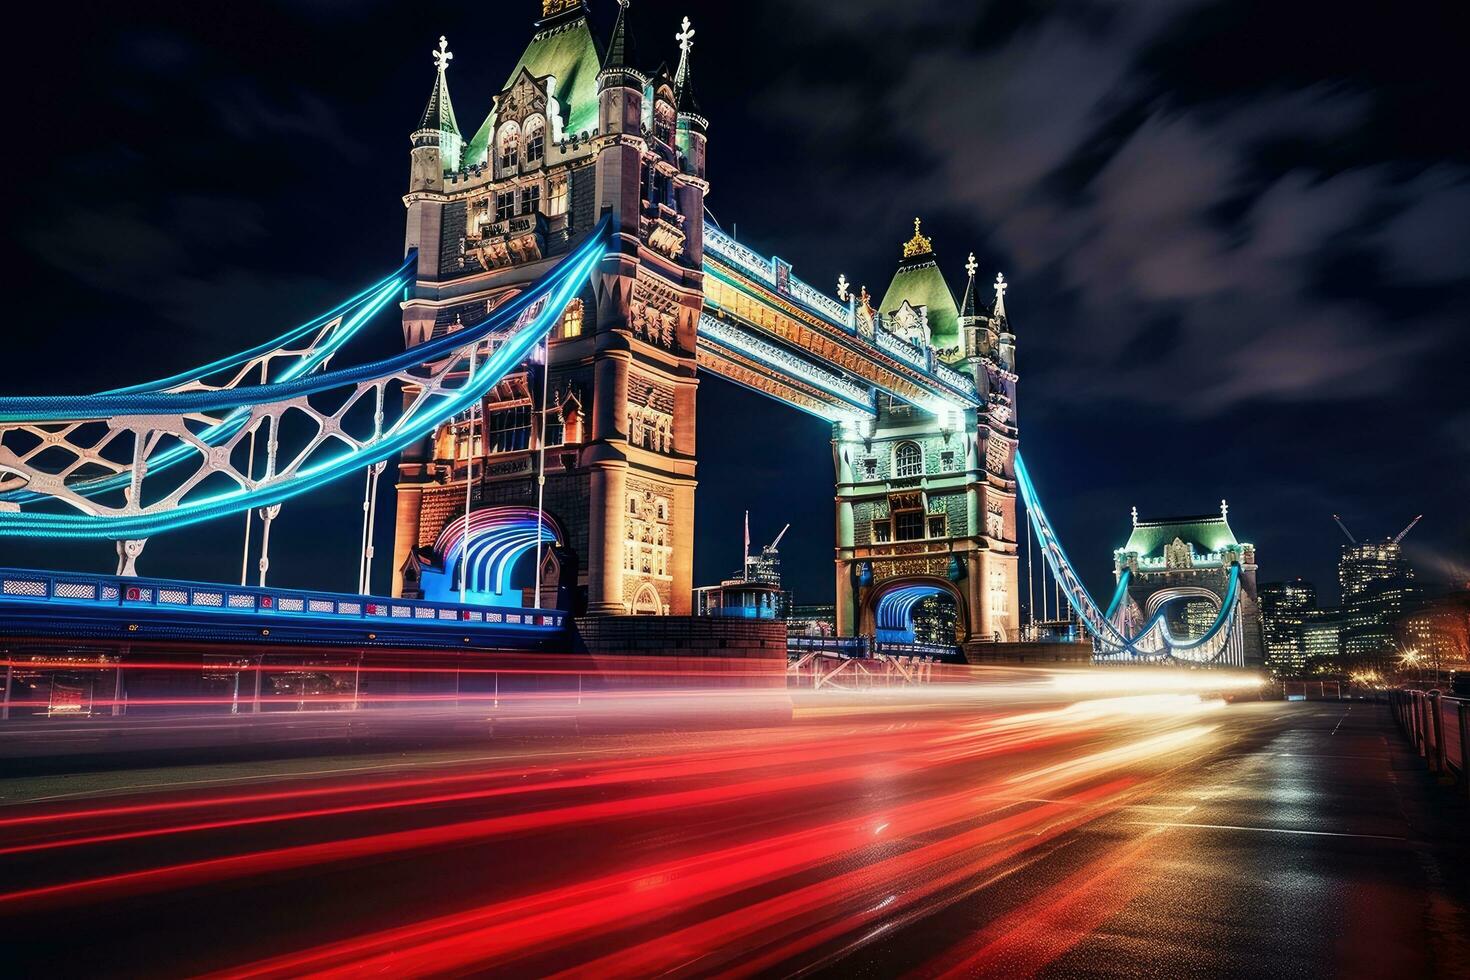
(469, 471)
(541, 462)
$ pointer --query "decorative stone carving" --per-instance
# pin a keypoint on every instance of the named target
(653, 314)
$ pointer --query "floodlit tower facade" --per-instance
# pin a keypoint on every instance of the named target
(579, 131)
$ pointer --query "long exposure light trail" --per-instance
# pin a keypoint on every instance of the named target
(1003, 809)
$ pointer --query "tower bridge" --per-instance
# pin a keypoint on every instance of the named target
(562, 295)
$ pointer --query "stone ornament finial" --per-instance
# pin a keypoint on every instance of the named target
(971, 266)
(1135, 517)
(1000, 294)
(685, 37)
(842, 292)
(918, 245)
(1224, 508)
(443, 56)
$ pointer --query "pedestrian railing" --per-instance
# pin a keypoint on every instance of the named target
(1438, 726)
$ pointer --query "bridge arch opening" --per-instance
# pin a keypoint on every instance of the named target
(916, 610)
(493, 555)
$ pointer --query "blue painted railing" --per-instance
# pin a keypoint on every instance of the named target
(62, 589)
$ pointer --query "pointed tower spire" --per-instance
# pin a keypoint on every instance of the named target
(683, 89)
(437, 126)
(620, 53)
(967, 305)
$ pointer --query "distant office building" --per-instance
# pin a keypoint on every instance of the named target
(935, 618)
(1375, 578)
(1438, 631)
(1284, 608)
(764, 567)
(1365, 565)
(1321, 639)
(812, 620)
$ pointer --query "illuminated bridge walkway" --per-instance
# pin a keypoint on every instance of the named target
(252, 430)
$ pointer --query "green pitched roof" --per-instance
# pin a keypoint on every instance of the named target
(1207, 534)
(919, 281)
(569, 53)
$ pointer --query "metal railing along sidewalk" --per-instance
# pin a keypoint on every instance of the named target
(1438, 726)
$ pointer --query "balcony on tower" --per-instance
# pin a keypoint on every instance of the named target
(518, 239)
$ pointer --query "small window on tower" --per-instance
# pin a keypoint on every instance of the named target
(571, 319)
(908, 525)
(557, 196)
(881, 532)
(510, 146)
(908, 460)
(936, 525)
(535, 139)
(531, 199)
(946, 460)
(870, 468)
(505, 205)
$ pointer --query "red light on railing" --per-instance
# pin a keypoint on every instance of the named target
(133, 594)
(372, 608)
(265, 602)
(464, 614)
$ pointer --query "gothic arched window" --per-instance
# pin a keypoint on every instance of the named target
(663, 122)
(908, 460)
(509, 145)
(534, 135)
(571, 319)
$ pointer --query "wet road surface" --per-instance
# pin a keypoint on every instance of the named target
(1117, 836)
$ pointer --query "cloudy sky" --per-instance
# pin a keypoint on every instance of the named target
(1238, 235)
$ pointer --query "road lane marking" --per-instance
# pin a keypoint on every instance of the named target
(1262, 830)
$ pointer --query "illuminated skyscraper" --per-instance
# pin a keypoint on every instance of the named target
(1377, 589)
(1284, 609)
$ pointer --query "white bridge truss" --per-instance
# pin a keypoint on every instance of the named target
(127, 464)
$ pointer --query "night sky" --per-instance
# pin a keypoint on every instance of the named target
(1238, 236)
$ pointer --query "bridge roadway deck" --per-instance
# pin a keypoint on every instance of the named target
(933, 832)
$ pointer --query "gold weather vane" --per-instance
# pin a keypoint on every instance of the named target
(918, 245)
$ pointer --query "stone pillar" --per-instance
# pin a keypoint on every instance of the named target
(605, 539)
(410, 498)
(981, 622)
(681, 562)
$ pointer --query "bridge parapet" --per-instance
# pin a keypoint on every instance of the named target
(766, 270)
(64, 591)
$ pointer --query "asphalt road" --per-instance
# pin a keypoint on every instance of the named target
(945, 834)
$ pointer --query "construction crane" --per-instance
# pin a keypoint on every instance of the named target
(1344, 529)
(1400, 536)
(773, 544)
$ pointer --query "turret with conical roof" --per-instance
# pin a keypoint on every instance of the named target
(692, 126)
(620, 85)
(437, 142)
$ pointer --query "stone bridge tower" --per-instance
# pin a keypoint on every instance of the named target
(579, 130)
(926, 495)
(1184, 563)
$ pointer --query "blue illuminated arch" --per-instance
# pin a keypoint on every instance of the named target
(498, 537)
(894, 615)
